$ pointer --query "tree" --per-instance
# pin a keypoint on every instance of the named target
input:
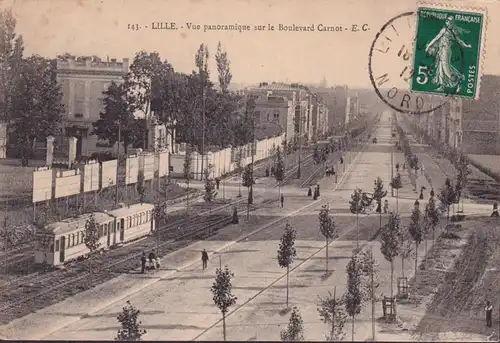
(416, 231)
(239, 167)
(358, 204)
(397, 184)
(378, 194)
(353, 297)
(210, 192)
(188, 174)
(328, 229)
(462, 166)
(332, 313)
(141, 187)
(295, 328)
(11, 54)
(432, 214)
(279, 173)
(390, 242)
(91, 238)
(406, 247)
(248, 180)
(160, 217)
(35, 107)
(223, 68)
(287, 252)
(222, 296)
(447, 196)
(369, 271)
(117, 122)
(130, 324)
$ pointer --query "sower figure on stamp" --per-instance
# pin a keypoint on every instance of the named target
(204, 258)
(446, 75)
(489, 311)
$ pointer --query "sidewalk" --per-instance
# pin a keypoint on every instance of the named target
(41, 323)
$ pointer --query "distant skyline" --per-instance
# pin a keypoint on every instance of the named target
(93, 27)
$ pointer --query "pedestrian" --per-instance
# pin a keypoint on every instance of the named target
(272, 170)
(397, 167)
(341, 160)
(217, 182)
(204, 258)
(282, 199)
(152, 259)
(432, 192)
(267, 172)
(422, 170)
(143, 262)
(309, 192)
(495, 210)
(489, 311)
(317, 187)
(386, 206)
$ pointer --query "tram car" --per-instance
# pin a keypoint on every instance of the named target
(64, 241)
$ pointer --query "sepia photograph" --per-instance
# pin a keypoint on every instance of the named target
(234, 170)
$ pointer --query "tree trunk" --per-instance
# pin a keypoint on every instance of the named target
(357, 229)
(239, 186)
(425, 253)
(373, 304)
(402, 267)
(416, 260)
(287, 279)
(224, 325)
(326, 245)
(187, 197)
(397, 200)
(380, 216)
(279, 190)
(353, 328)
(392, 279)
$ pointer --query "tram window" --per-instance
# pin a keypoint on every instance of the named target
(69, 241)
(73, 236)
(105, 229)
(129, 219)
(134, 222)
(57, 245)
(100, 231)
(147, 216)
(122, 223)
(77, 238)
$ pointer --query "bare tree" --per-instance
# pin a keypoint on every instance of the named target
(328, 229)
(287, 252)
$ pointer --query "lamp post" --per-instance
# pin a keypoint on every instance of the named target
(118, 163)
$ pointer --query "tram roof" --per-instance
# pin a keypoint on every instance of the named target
(128, 210)
(76, 223)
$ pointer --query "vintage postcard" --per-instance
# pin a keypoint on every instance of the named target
(249, 170)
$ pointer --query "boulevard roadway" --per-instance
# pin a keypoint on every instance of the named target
(176, 303)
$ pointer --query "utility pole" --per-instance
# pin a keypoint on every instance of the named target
(6, 240)
(118, 162)
(250, 193)
(203, 130)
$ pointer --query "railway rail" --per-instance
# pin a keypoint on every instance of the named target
(43, 289)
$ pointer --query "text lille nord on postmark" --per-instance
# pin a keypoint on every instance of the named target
(448, 51)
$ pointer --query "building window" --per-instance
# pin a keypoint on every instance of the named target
(78, 115)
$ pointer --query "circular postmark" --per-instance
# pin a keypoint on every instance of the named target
(393, 67)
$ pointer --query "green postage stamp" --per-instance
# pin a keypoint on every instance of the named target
(448, 50)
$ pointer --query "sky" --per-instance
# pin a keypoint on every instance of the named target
(100, 27)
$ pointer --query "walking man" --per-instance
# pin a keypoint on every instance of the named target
(397, 167)
(143, 262)
(204, 258)
(489, 312)
(495, 210)
(282, 199)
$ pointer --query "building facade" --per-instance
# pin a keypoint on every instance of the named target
(472, 126)
(82, 84)
(277, 111)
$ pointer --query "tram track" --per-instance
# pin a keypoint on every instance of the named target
(44, 289)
